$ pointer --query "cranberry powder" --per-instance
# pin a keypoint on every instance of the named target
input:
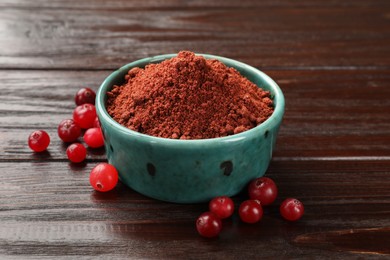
(188, 97)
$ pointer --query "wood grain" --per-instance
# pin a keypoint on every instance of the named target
(49, 206)
(156, 4)
(377, 240)
(100, 35)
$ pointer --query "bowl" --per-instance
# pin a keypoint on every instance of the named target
(190, 171)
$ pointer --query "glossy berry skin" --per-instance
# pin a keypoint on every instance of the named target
(93, 137)
(208, 225)
(76, 152)
(264, 190)
(84, 115)
(85, 96)
(68, 130)
(222, 206)
(38, 141)
(96, 123)
(250, 211)
(291, 209)
(103, 177)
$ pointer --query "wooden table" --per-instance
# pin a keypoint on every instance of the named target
(332, 60)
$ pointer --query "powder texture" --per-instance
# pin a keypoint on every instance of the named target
(188, 97)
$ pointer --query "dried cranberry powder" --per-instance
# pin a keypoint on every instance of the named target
(188, 97)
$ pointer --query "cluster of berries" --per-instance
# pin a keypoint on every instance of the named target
(104, 176)
(262, 192)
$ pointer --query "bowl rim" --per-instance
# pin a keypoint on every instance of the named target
(270, 123)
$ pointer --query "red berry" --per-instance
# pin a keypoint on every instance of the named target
(103, 177)
(222, 206)
(250, 211)
(291, 209)
(208, 225)
(84, 115)
(93, 137)
(68, 130)
(38, 141)
(84, 96)
(76, 152)
(96, 123)
(263, 189)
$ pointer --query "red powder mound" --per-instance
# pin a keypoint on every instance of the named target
(188, 97)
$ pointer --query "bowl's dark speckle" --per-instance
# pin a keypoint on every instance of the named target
(151, 169)
(227, 167)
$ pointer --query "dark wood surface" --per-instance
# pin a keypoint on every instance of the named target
(332, 61)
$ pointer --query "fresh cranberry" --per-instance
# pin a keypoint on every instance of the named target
(84, 115)
(263, 189)
(222, 206)
(96, 123)
(68, 130)
(291, 209)
(250, 211)
(76, 152)
(208, 225)
(85, 96)
(93, 137)
(38, 141)
(103, 177)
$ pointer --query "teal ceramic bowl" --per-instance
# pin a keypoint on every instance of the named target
(189, 171)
